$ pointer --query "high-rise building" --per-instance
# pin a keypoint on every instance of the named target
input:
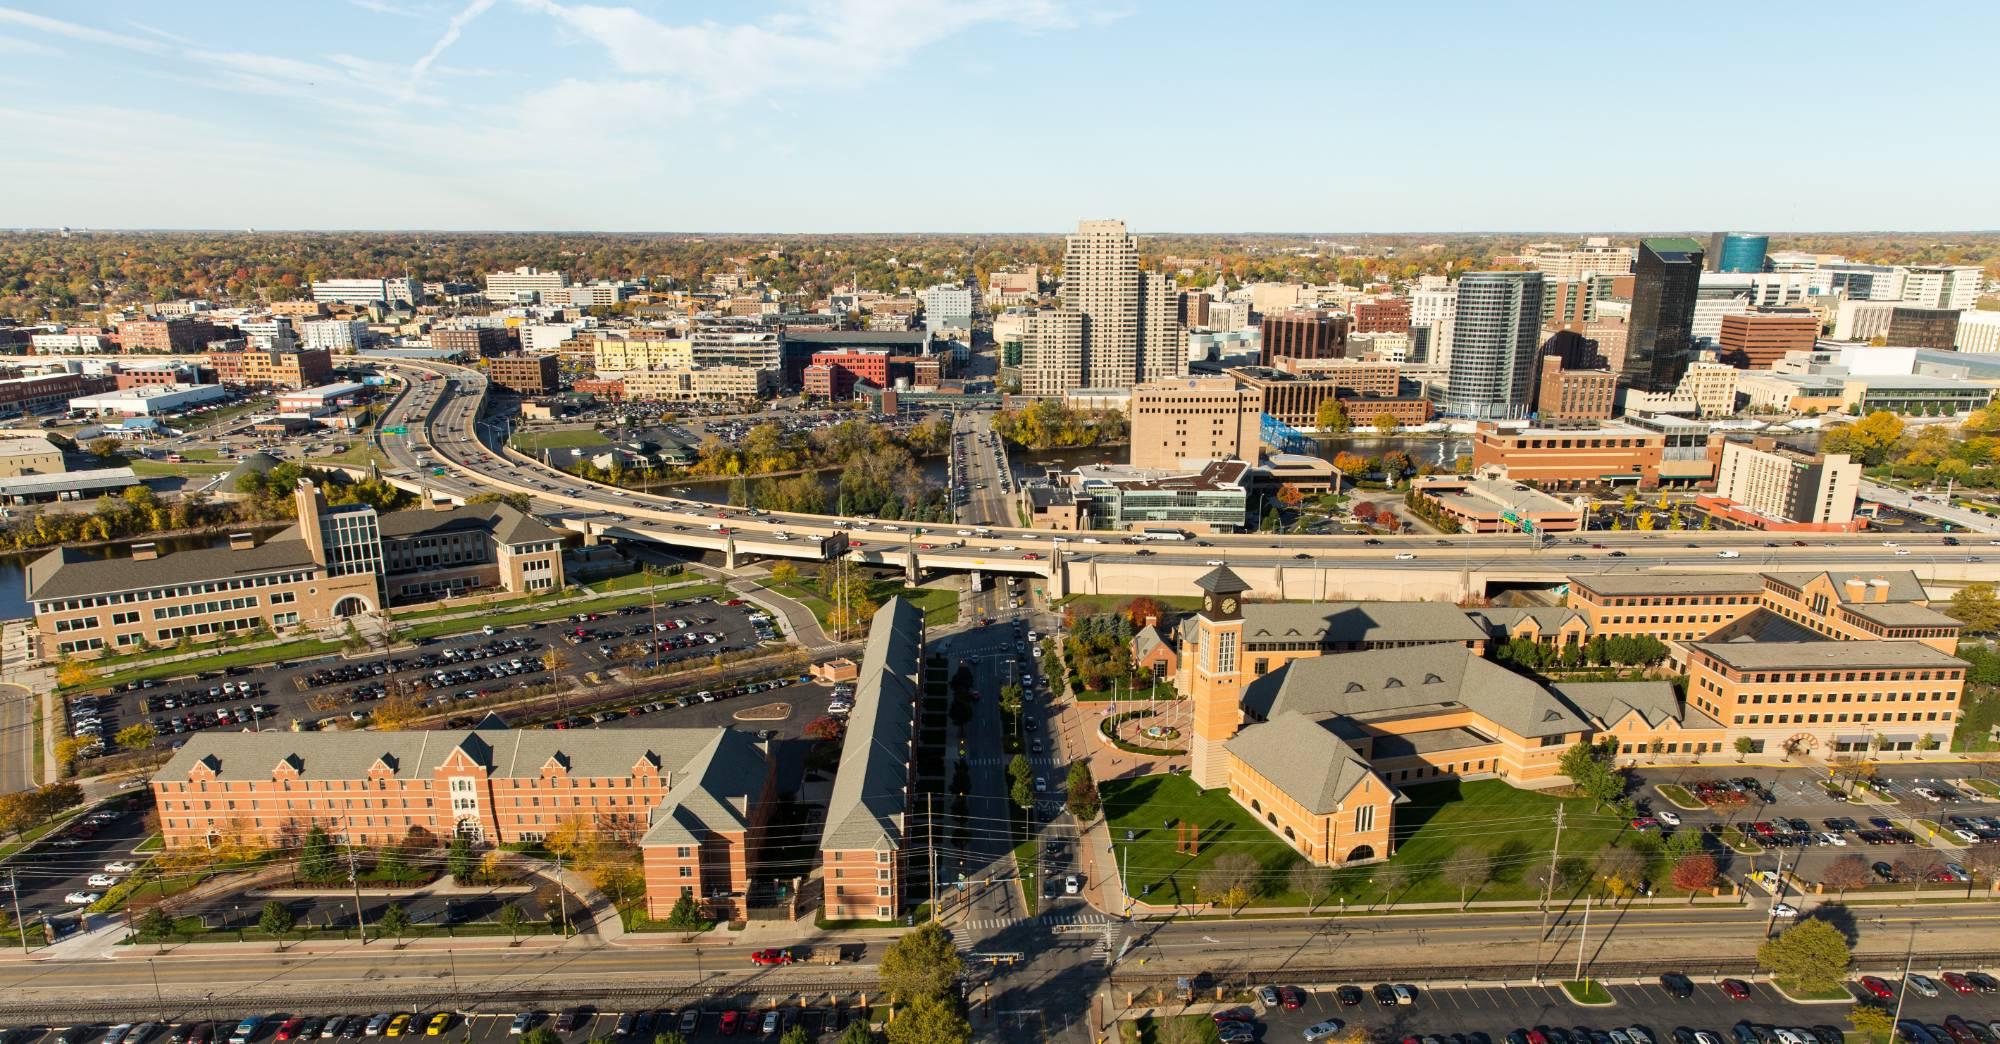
(1943, 286)
(339, 336)
(1979, 332)
(1595, 257)
(1052, 352)
(1914, 327)
(948, 306)
(1198, 418)
(523, 285)
(1131, 329)
(1788, 486)
(1737, 252)
(1666, 280)
(1304, 334)
(1755, 340)
(1495, 335)
(1432, 308)
(1382, 315)
(1572, 395)
(1194, 308)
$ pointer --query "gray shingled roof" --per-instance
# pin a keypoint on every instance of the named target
(866, 807)
(513, 754)
(67, 572)
(1145, 641)
(1301, 758)
(1818, 655)
(1625, 584)
(1499, 620)
(1900, 614)
(508, 525)
(1903, 584)
(1221, 580)
(1337, 622)
(714, 794)
(1381, 684)
(1607, 703)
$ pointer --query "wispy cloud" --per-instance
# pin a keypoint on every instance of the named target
(452, 30)
(58, 27)
(381, 7)
(163, 34)
(16, 45)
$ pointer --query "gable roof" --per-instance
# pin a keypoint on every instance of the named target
(1301, 758)
(1607, 703)
(869, 798)
(714, 793)
(515, 754)
(1499, 620)
(1902, 584)
(507, 524)
(69, 572)
(1329, 623)
(1385, 684)
(1144, 642)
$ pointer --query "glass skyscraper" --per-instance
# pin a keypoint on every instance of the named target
(1738, 251)
(1494, 341)
(1666, 280)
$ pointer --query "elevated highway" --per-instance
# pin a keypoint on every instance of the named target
(448, 434)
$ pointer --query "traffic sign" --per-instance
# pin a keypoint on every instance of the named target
(397, 429)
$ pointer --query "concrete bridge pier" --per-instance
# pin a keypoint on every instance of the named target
(1058, 575)
(911, 574)
(729, 552)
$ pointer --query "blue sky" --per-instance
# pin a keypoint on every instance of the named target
(997, 115)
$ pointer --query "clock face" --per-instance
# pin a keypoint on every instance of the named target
(1229, 605)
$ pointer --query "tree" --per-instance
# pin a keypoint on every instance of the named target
(784, 573)
(1312, 881)
(155, 923)
(929, 1020)
(1745, 746)
(105, 447)
(921, 964)
(394, 919)
(795, 1035)
(1230, 881)
(1139, 610)
(1021, 781)
(1845, 873)
(136, 737)
(669, 1037)
(1976, 606)
(541, 1035)
(1392, 878)
(1083, 802)
(1468, 868)
(1331, 417)
(1624, 869)
(1592, 768)
(1365, 513)
(1386, 425)
(73, 675)
(512, 919)
(1869, 439)
(1694, 873)
(458, 859)
(686, 914)
(1811, 956)
(1873, 1021)
(1680, 844)
(1290, 495)
(276, 920)
(317, 860)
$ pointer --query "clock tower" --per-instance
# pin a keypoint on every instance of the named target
(1217, 683)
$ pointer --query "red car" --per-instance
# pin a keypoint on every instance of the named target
(1876, 987)
(1959, 982)
(1233, 1015)
(1736, 989)
(768, 957)
(730, 1020)
(1291, 998)
(290, 1028)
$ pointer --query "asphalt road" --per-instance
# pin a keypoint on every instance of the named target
(44, 874)
(17, 738)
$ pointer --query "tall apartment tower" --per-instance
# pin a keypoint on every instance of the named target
(1131, 323)
(1666, 280)
(1495, 339)
(1052, 352)
(1216, 684)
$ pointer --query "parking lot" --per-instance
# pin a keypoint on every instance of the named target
(1497, 1011)
(332, 689)
(65, 862)
(1812, 829)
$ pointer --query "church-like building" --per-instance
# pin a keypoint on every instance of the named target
(1314, 715)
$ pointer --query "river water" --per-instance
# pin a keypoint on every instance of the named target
(14, 568)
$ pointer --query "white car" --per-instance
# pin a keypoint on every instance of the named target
(1729, 554)
(101, 881)
(1009, 547)
(81, 898)
(120, 867)
(1072, 886)
(1404, 556)
(1321, 1030)
(1828, 837)
(1668, 818)
(1784, 911)
(1902, 550)
(962, 532)
(1966, 836)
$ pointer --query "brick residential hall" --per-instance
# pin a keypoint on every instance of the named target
(336, 562)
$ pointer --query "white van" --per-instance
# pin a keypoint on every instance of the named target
(1729, 554)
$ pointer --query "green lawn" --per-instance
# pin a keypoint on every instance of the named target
(565, 438)
(940, 605)
(1984, 786)
(304, 647)
(1586, 991)
(537, 614)
(1680, 796)
(643, 581)
(1509, 830)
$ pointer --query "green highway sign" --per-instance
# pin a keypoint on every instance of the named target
(399, 429)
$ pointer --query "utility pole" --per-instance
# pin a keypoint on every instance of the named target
(1903, 988)
(562, 891)
(1549, 889)
(930, 824)
(354, 882)
(1580, 937)
(1777, 895)
(15, 891)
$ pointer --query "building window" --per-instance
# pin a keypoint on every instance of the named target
(1364, 819)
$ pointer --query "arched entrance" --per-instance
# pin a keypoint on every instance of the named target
(1360, 854)
(352, 605)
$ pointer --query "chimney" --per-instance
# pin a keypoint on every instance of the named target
(1878, 590)
(145, 552)
(440, 502)
(242, 541)
(1152, 621)
(1857, 589)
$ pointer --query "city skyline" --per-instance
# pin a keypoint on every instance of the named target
(501, 115)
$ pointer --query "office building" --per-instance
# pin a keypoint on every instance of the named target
(1365, 390)
(248, 367)
(1432, 311)
(479, 342)
(1755, 340)
(1497, 505)
(523, 285)
(1863, 320)
(1568, 304)
(523, 374)
(1666, 280)
(1204, 496)
(30, 455)
(1737, 252)
(1007, 289)
(1571, 395)
(1787, 487)
(736, 346)
(1585, 454)
(720, 382)
(393, 290)
(1381, 315)
(297, 310)
(165, 336)
(44, 393)
(336, 562)
(1495, 333)
(1194, 418)
(1303, 334)
(617, 353)
(1052, 342)
(336, 336)
(948, 306)
(1596, 256)
(1952, 287)
(1914, 327)
(1979, 332)
(1194, 309)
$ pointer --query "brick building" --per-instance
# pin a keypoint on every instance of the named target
(178, 335)
(1303, 334)
(1572, 395)
(273, 368)
(1588, 454)
(49, 391)
(524, 374)
(1382, 315)
(864, 874)
(1755, 340)
(479, 342)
